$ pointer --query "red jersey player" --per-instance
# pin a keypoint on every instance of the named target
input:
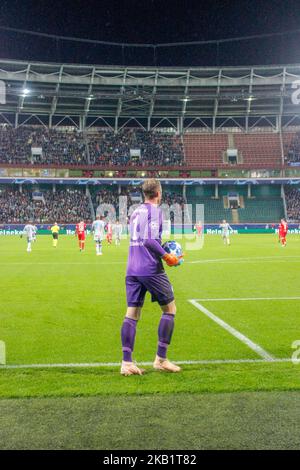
(109, 233)
(80, 232)
(283, 228)
(198, 228)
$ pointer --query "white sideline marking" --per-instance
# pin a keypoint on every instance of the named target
(244, 339)
(62, 264)
(117, 364)
(242, 260)
(2, 353)
(248, 298)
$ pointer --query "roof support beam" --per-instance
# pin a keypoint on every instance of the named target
(186, 91)
(152, 102)
(282, 93)
(89, 97)
(55, 98)
(122, 90)
(250, 93)
(216, 105)
(22, 97)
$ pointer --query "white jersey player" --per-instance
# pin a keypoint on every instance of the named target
(98, 228)
(225, 232)
(30, 232)
(35, 232)
(117, 230)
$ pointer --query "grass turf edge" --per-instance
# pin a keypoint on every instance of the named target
(79, 382)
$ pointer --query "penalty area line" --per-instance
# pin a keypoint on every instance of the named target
(117, 364)
(237, 334)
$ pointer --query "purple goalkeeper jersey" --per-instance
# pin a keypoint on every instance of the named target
(145, 250)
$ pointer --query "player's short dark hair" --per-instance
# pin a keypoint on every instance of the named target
(151, 187)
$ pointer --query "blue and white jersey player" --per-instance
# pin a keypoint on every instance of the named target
(98, 228)
(117, 231)
(30, 232)
(225, 227)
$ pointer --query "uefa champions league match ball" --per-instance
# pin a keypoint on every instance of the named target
(173, 248)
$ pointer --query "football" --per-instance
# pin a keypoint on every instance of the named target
(173, 248)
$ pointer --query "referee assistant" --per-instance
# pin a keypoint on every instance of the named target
(55, 231)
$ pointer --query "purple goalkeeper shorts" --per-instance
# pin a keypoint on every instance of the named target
(158, 285)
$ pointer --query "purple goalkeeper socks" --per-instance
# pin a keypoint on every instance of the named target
(128, 336)
(165, 330)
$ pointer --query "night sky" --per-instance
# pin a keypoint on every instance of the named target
(152, 21)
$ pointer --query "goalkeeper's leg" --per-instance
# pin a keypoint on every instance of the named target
(165, 331)
(128, 332)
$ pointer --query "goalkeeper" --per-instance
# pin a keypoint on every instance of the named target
(145, 272)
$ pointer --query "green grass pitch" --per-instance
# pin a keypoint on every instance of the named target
(60, 306)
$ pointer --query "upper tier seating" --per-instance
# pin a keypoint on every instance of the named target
(291, 146)
(259, 150)
(61, 147)
(108, 148)
(105, 148)
(58, 147)
(205, 150)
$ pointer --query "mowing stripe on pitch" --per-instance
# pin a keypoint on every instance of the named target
(271, 259)
(244, 339)
(117, 364)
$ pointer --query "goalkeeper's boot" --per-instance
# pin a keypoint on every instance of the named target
(130, 368)
(165, 365)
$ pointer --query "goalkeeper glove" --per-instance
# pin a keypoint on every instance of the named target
(172, 260)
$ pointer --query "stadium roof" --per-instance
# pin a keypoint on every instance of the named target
(49, 89)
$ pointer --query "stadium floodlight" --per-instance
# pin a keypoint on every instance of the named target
(250, 98)
(25, 92)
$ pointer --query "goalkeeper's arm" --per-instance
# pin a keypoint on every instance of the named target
(154, 246)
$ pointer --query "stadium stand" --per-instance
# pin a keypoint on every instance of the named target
(214, 210)
(264, 206)
(105, 148)
(292, 197)
(259, 149)
(57, 147)
(110, 195)
(109, 148)
(63, 206)
(205, 150)
(291, 147)
(261, 210)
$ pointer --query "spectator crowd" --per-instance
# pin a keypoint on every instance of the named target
(111, 149)
(106, 148)
(62, 206)
(111, 196)
(57, 147)
(292, 151)
(68, 205)
(292, 197)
